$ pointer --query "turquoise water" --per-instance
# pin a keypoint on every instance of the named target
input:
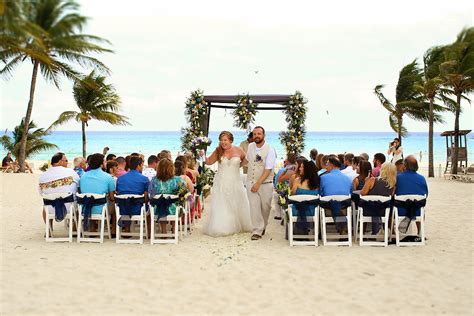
(152, 142)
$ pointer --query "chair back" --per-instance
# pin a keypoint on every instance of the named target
(302, 198)
(337, 198)
(413, 197)
(94, 195)
(54, 196)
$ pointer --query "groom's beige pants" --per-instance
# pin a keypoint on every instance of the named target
(260, 206)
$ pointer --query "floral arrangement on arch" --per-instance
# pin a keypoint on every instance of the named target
(295, 116)
(195, 111)
(245, 112)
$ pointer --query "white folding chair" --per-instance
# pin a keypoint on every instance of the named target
(293, 218)
(102, 218)
(329, 219)
(419, 219)
(164, 238)
(69, 219)
(354, 213)
(140, 219)
(361, 219)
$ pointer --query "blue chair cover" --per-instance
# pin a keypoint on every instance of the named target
(411, 206)
(60, 209)
(335, 206)
(355, 198)
(162, 205)
(87, 203)
(375, 204)
(126, 206)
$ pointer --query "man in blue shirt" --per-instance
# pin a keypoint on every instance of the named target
(133, 182)
(411, 182)
(97, 181)
(334, 182)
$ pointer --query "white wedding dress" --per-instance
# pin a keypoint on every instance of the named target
(230, 210)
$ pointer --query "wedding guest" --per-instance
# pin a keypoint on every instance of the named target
(349, 170)
(400, 166)
(164, 154)
(411, 182)
(341, 159)
(97, 181)
(190, 173)
(58, 178)
(288, 165)
(379, 159)
(133, 182)
(180, 170)
(383, 185)
(79, 165)
(364, 169)
(121, 166)
(165, 182)
(396, 150)
(192, 164)
(319, 165)
(110, 157)
(150, 170)
(111, 167)
(324, 161)
(245, 145)
(313, 155)
(291, 174)
(365, 156)
(307, 183)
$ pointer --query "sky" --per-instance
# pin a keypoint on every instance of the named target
(335, 53)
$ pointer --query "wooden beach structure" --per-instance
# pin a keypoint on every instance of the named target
(462, 149)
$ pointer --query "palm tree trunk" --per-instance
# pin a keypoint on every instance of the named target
(84, 139)
(400, 125)
(456, 135)
(22, 154)
(430, 141)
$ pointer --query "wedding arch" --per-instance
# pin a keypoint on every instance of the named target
(245, 107)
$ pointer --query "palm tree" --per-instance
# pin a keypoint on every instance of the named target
(430, 86)
(47, 33)
(34, 140)
(96, 100)
(409, 100)
(457, 72)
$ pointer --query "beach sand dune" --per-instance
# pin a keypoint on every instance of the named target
(204, 275)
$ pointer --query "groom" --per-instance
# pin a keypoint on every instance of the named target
(261, 159)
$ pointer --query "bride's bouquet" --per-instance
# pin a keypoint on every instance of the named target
(200, 143)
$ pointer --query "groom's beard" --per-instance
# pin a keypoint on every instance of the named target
(258, 140)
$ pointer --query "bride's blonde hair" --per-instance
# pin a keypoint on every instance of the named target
(219, 150)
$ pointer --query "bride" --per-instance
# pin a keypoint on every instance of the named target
(230, 211)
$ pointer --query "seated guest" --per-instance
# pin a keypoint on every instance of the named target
(411, 182)
(349, 170)
(110, 157)
(150, 170)
(58, 178)
(165, 182)
(79, 165)
(313, 155)
(335, 183)
(133, 182)
(192, 165)
(190, 173)
(307, 184)
(364, 169)
(121, 166)
(323, 162)
(379, 159)
(341, 159)
(365, 156)
(97, 181)
(400, 166)
(290, 174)
(180, 171)
(111, 168)
(319, 165)
(288, 164)
(164, 154)
(382, 185)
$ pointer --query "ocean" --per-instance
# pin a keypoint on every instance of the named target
(152, 142)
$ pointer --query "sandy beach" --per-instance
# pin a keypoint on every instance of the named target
(233, 275)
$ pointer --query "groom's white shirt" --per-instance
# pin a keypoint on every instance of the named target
(269, 160)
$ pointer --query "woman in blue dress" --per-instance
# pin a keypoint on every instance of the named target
(308, 184)
(165, 182)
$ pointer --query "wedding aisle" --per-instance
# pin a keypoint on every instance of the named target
(234, 274)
